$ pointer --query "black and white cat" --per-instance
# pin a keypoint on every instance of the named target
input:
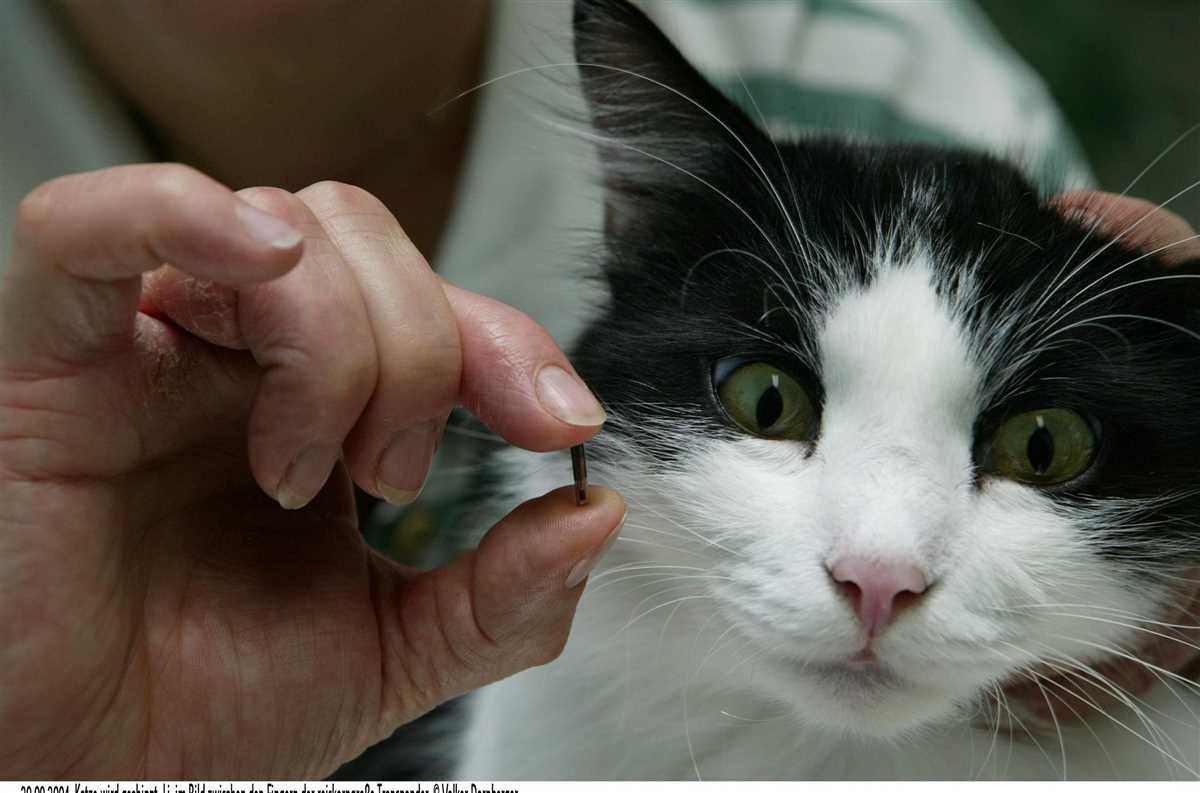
(911, 461)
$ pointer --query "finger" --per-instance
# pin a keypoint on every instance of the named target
(309, 333)
(517, 380)
(1136, 222)
(80, 243)
(419, 361)
(502, 608)
(204, 308)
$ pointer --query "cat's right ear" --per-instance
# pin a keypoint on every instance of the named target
(664, 131)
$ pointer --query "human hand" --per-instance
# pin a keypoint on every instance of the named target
(160, 615)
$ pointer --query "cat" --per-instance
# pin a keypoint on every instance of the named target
(910, 459)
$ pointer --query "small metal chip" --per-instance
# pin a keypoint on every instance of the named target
(579, 469)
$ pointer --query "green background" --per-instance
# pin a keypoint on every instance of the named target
(1127, 75)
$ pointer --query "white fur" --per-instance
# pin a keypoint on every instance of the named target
(697, 647)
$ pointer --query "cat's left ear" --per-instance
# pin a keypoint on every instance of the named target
(662, 128)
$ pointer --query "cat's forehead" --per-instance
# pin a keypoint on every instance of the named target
(898, 341)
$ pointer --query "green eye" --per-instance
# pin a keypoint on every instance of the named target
(1043, 447)
(766, 401)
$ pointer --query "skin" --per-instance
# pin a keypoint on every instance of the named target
(260, 93)
(162, 613)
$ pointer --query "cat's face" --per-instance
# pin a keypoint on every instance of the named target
(922, 432)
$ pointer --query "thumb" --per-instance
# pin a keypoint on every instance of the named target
(495, 611)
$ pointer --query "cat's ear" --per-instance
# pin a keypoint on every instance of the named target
(662, 128)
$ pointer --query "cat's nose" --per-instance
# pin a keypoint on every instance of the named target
(877, 589)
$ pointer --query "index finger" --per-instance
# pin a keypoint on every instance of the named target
(81, 242)
(517, 380)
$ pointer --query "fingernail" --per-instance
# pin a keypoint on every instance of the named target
(584, 567)
(566, 397)
(405, 463)
(265, 228)
(306, 476)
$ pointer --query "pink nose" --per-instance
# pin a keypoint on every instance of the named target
(878, 589)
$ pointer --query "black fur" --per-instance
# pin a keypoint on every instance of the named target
(676, 177)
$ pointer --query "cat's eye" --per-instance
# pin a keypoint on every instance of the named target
(1043, 447)
(765, 400)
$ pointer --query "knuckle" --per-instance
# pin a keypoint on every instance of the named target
(35, 210)
(437, 367)
(339, 197)
(338, 380)
(358, 380)
(38, 210)
(173, 182)
(276, 201)
(289, 353)
(351, 373)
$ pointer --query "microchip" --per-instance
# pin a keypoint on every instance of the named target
(579, 469)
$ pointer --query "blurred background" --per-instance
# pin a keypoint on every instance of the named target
(1127, 75)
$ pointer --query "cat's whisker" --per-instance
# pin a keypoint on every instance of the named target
(1112, 685)
(1012, 714)
(665, 590)
(1059, 281)
(689, 530)
(1079, 717)
(602, 140)
(1093, 320)
(687, 278)
(643, 566)
(650, 611)
(1169, 148)
(761, 171)
(1158, 671)
(1133, 628)
(797, 217)
(627, 540)
(1062, 746)
(663, 631)
(1083, 673)
(758, 653)
(687, 726)
(994, 692)
(1107, 686)
(1071, 307)
(758, 168)
(1128, 614)
(1007, 233)
(1097, 253)
(674, 535)
(709, 654)
(658, 579)
(746, 720)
